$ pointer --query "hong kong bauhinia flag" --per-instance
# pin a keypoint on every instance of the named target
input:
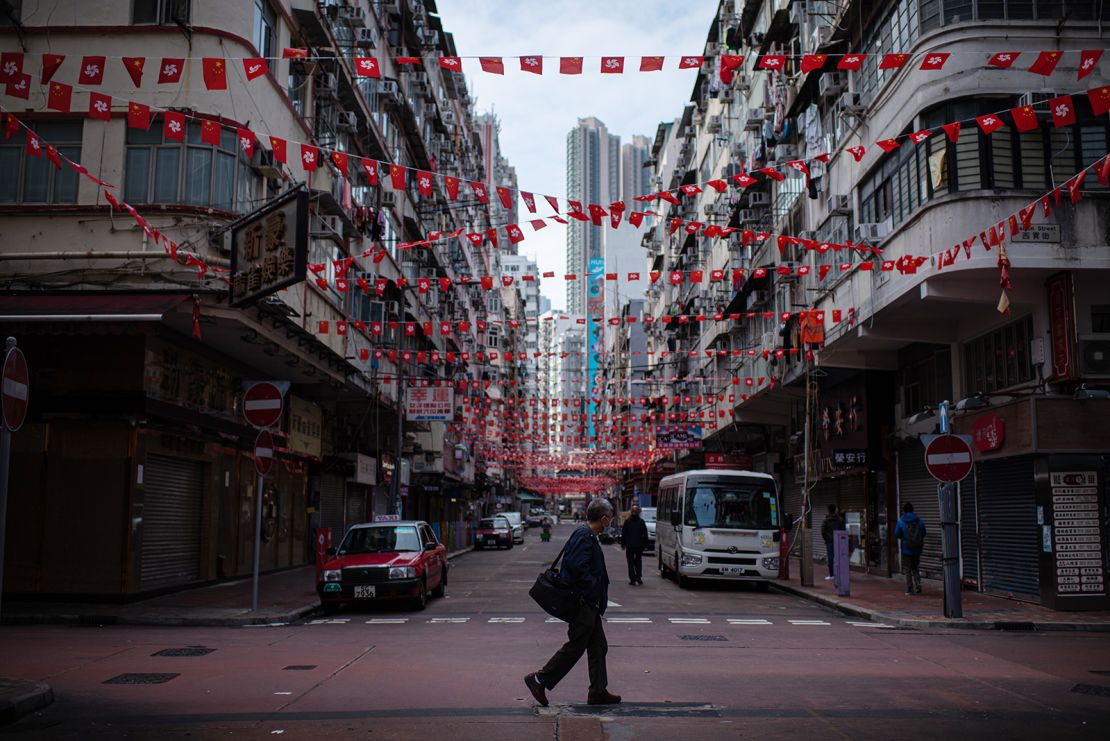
(169, 71)
(92, 71)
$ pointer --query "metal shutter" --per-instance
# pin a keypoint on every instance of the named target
(333, 489)
(174, 491)
(792, 496)
(969, 530)
(822, 495)
(1009, 539)
(916, 485)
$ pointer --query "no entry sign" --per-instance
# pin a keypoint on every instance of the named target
(264, 452)
(15, 389)
(262, 404)
(948, 458)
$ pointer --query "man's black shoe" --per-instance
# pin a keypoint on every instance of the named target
(605, 698)
(536, 688)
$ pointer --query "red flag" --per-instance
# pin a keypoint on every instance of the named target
(515, 235)
(92, 71)
(952, 130)
(729, 64)
(851, 61)
(278, 147)
(894, 61)
(397, 177)
(479, 191)
(169, 71)
(367, 67)
(52, 155)
(919, 136)
(100, 106)
(11, 64)
(934, 61)
(50, 65)
(134, 67)
(570, 65)
(889, 145)
(612, 65)
(1088, 60)
(138, 115)
(451, 63)
(529, 201)
(492, 234)
(254, 68)
(812, 62)
(309, 155)
(772, 61)
(1100, 99)
(424, 183)
(59, 97)
(452, 186)
(173, 126)
(1046, 63)
(857, 152)
(651, 64)
(340, 160)
(1025, 118)
(990, 123)
(532, 63)
(690, 62)
(1003, 59)
(214, 72)
(506, 196)
(246, 141)
(1063, 111)
(33, 145)
(493, 65)
(210, 132)
(19, 86)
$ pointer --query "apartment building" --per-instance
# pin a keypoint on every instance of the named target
(136, 463)
(889, 337)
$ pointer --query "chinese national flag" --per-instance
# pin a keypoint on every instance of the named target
(506, 196)
(340, 160)
(1046, 63)
(100, 106)
(59, 97)
(451, 184)
(651, 64)
(138, 116)
(134, 67)
(493, 65)
(570, 65)
(210, 132)
(254, 68)
(92, 71)
(612, 65)
(50, 65)
(397, 177)
(889, 145)
(1025, 118)
(811, 62)
(894, 61)
(1100, 99)
(278, 147)
(1063, 111)
(952, 130)
(214, 72)
(173, 126)
(169, 71)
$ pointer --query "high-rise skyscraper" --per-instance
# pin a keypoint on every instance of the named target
(593, 176)
(623, 252)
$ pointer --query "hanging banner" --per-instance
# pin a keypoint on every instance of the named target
(682, 438)
(1061, 323)
(434, 404)
(269, 248)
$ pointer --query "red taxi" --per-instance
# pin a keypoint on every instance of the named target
(384, 561)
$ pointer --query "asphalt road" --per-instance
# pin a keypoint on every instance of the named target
(706, 663)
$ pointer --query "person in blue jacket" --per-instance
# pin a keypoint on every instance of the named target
(584, 567)
(911, 534)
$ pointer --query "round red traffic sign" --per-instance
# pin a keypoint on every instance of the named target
(264, 452)
(262, 404)
(15, 389)
(948, 458)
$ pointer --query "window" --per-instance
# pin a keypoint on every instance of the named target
(999, 360)
(11, 12)
(265, 28)
(194, 173)
(160, 11)
(1100, 319)
(925, 377)
(36, 179)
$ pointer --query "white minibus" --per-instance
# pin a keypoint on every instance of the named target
(716, 524)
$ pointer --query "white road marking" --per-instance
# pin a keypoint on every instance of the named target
(387, 621)
(283, 693)
(869, 625)
(690, 621)
(808, 622)
(265, 625)
(553, 620)
(745, 621)
(449, 620)
(506, 620)
(628, 620)
(611, 603)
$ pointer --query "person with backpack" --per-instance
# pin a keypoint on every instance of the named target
(833, 522)
(911, 532)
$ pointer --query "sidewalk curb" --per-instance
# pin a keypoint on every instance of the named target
(20, 697)
(94, 619)
(854, 610)
(460, 552)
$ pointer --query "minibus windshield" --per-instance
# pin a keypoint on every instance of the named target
(727, 505)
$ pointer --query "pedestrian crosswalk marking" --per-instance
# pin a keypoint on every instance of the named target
(808, 622)
(331, 621)
(868, 625)
(449, 620)
(553, 620)
(686, 621)
(506, 620)
(387, 621)
(628, 620)
(744, 621)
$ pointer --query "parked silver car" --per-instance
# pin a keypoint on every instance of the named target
(648, 513)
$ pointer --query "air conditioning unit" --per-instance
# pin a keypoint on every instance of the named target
(872, 232)
(741, 82)
(448, 116)
(751, 215)
(389, 199)
(348, 121)
(838, 205)
(754, 119)
(387, 87)
(713, 125)
(831, 84)
(822, 36)
(736, 151)
(757, 198)
(850, 103)
(264, 164)
(365, 38)
(1038, 98)
(725, 95)
(326, 84)
(1094, 355)
(797, 13)
(354, 15)
(329, 226)
(712, 49)
(699, 119)
(708, 209)
(431, 38)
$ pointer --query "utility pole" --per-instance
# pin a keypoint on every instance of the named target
(395, 489)
(806, 545)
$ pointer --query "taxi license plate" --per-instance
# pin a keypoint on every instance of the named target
(731, 570)
(361, 592)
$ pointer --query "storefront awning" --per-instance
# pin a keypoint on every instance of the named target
(85, 307)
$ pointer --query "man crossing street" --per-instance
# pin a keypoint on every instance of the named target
(634, 539)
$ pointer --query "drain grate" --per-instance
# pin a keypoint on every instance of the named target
(299, 667)
(1014, 625)
(702, 638)
(1097, 690)
(187, 651)
(141, 678)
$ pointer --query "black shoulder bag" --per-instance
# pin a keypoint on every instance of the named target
(551, 592)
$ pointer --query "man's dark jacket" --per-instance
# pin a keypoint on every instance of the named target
(584, 567)
(634, 534)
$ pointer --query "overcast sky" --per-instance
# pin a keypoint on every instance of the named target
(536, 112)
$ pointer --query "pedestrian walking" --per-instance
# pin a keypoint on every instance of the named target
(910, 531)
(583, 567)
(634, 540)
(833, 522)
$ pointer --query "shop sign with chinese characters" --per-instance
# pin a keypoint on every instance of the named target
(849, 457)
(430, 404)
(269, 248)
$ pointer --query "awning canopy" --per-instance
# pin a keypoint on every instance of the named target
(106, 307)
